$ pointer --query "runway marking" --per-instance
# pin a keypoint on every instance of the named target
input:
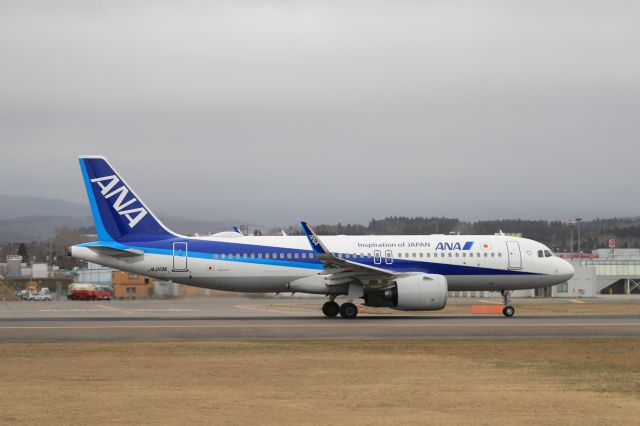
(111, 308)
(165, 310)
(265, 309)
(576, 301)
(104, 327)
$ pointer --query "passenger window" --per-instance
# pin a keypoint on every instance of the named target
(222, 256)
(428, 254)
(450, 254)
(252, 255)
(304, 255)
(493, 254)
(281, 255)
(499, 254)
(237, 255)
(414, 254)
(259, 255)
(288, 255)
(311, 255)
(399, 255)
(421, 254)
(486, 255)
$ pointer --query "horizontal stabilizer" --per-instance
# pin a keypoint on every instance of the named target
(116, 252)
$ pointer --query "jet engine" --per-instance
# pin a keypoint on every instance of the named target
(415, 292)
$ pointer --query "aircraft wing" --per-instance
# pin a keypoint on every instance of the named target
(343, 271)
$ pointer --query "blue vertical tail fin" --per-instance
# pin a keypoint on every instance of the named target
(119, 214)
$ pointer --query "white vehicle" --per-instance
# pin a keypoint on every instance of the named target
(407, 272)
(42, 296)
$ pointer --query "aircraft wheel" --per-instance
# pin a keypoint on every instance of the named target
(508, 311)
(330, 309)
(348, 310)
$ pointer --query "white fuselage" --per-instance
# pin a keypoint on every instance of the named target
(270, 264)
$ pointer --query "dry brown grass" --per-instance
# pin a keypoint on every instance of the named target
(453, 382)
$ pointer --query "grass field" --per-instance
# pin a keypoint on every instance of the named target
(437, 382)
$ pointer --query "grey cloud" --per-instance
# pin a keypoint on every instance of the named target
(275, 111)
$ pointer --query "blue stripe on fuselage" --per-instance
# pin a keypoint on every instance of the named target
(204, 249)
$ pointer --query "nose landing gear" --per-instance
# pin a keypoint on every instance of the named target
(508, 310)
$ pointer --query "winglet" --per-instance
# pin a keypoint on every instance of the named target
(315, 242)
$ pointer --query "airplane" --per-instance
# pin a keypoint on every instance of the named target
(404, 272)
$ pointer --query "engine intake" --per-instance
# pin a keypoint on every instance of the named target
(416, 292)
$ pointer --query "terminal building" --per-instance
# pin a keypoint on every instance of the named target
(603, 272)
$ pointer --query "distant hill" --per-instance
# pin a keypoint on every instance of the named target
(42, 228)
(12, 206)
(38, 228)
(25, 219)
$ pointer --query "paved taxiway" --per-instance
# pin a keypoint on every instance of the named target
(239, 318)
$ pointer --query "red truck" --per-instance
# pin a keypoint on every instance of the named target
(79, 291)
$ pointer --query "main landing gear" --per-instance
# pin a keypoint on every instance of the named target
(347, 310)
(508, 310)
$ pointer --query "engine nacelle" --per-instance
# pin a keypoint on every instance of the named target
(419, 292)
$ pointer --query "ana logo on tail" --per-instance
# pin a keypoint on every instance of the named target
(108, 189)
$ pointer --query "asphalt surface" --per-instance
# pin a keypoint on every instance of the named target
(240, 318)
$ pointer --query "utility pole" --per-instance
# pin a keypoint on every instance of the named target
(577, 221)
(571, 223)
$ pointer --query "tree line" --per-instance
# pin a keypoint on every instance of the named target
(555, 234)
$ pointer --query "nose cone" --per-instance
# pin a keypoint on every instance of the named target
(565, 270)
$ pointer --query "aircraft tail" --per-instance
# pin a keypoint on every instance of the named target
(119, 214)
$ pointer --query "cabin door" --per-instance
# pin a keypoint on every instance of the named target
(513, 251)
(179, 256)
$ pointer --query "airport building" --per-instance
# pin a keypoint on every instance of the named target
(125, 285)
(16, 268)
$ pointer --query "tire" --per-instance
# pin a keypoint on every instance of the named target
(508, 311)
(348, 311)
(330, 309)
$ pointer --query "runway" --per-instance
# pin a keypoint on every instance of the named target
(239, 318)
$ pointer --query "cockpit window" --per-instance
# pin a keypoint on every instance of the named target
(540, 253)
(547, 253)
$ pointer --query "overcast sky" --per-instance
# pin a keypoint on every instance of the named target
(328, 111)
